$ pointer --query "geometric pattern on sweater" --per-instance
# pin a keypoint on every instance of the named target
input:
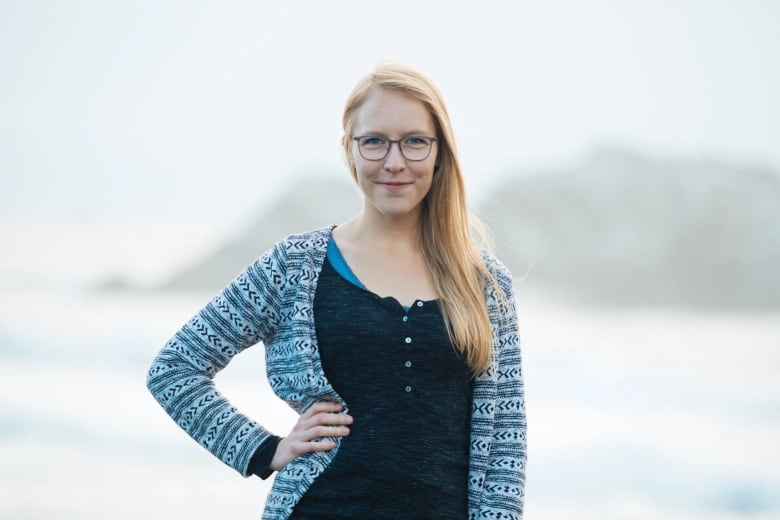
(271, 302)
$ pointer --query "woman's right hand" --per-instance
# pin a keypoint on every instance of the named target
(321, 420)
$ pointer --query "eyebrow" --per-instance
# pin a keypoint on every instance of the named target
(420, 133)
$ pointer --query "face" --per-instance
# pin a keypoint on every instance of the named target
(393, 187)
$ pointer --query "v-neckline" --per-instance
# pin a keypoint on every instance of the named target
(355, 281)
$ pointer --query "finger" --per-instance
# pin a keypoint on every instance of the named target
(323, 406)
(319, 432)
(323, 420)
(319, 446)
(332, 419)
(289, 449)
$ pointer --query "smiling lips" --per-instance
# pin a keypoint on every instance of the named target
(394, 186)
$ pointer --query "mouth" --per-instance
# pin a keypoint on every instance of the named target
(394, 186)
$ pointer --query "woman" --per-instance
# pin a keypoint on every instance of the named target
(392, 336)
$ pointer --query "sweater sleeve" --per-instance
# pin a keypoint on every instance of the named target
(181, 376)
(260, 463)
(505, 477)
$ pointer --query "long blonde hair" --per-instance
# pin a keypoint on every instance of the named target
(445, 233)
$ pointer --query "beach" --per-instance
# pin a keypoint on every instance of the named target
(633, 413)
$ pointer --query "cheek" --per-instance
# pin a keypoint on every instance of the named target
(428, 171)
(356, 168)
(362, 173)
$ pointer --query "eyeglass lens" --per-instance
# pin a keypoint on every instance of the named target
(414, 148)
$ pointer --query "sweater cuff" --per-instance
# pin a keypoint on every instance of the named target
(260, 462)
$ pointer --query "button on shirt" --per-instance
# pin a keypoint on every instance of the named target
(410, 395)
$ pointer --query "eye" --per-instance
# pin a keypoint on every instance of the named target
(416, 141)
(373, 141)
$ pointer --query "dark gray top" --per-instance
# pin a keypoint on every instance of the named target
(410, 395)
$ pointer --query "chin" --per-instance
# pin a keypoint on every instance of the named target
(397, 210)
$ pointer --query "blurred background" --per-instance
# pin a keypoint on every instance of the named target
(626, 155)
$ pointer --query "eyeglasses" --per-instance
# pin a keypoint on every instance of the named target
(376, 147)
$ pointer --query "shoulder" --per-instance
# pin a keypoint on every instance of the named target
(294, 257)
(293, 252)
(500, 272)
(298, 245)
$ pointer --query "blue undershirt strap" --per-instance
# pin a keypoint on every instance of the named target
(340, 265)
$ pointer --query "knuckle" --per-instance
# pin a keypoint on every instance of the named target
(321, 418)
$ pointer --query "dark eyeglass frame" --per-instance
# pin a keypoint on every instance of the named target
(390, 145)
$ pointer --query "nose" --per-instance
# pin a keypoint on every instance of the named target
(394, 161)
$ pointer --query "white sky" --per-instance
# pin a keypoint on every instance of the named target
(186, 113)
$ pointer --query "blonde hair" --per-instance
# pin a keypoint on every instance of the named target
(445, 233)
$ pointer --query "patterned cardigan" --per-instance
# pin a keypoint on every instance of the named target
(272, 302)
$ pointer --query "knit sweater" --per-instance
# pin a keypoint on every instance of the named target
(272, 302)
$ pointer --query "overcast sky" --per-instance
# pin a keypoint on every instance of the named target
(169, 111)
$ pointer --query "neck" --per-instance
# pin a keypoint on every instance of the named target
(382, 232)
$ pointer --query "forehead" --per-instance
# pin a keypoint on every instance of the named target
(392, 113)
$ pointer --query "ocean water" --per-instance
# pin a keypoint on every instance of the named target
(633, 413)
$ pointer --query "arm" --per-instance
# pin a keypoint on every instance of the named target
(181, 376)
(505, 478)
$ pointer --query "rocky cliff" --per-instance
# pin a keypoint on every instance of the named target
(622, 228)
(618, 228)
